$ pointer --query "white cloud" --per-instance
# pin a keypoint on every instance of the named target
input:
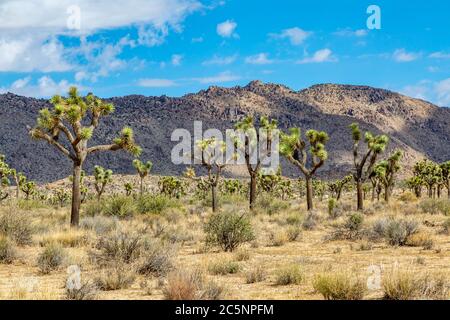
(226, 29)
(261, 58)
(295, 35)
(352, 33)
(442, 89)
(197, 40)
(401, 55)
(30, 30)
(324, 55)
(226, 76)
(45, 87)
(156, 83)
(440, 55)
(221, 61)
(176, 59)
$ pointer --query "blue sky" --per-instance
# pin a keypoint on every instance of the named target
(173, 47)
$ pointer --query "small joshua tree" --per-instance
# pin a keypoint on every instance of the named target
(365, 164)
(294, 148)
(5, 172)
(27, 187)
(386, 171)
(375, 178)
(252, 140)
(16, 176)
(143, 169)
(429, 173)
(128, 188)
(77, 118)
(102, 178)
(337, 186)
(212, 160)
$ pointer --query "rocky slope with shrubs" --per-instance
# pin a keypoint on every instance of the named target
(420, 128)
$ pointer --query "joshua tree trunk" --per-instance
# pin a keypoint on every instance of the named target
(252, 190)
(360, 198)
(213, 198)
(309, 193)
(141, 188)
(387, 193)
(76, 195)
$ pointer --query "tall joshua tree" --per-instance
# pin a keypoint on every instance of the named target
(429, 173)
(365, 164)
(252, 140)
(294, 148)
(102, 178)
(445, 168)
(143, 170)
(77, 118)
(387, 170)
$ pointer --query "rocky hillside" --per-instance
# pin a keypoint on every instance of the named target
(420, 128)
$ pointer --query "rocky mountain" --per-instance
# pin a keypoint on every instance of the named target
(418, 127)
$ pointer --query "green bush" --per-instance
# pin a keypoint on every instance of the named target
(271, 205)
(398, 231)
(292, 274)
(120, 247)
(171, 187)
(120, 206)
(118, 277)
(149, 204)
(223, 267)
(51, 257)
(228, 230)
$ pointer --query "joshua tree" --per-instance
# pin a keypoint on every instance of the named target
(415, 184)
(252, 140)
(445, 168)
(102, 178)
(429, 173)
(77, 118)
(386, 171)
(128, 188)
(27, 187)
(16, 176)
(365, 164)
(5, 172)
(293, 147)
(337, 186)
(143, 170)
(212, 152)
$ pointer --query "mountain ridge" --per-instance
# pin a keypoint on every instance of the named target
(418, 127)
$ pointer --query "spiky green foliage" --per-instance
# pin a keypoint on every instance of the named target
(5, 172)
(102, 177)
(294, 148)
(386, 171)
(445, 170)
(232, 186)
(253, 138)
(337, 186)
(430, 173)
(27, 187)
(129, 187)
(364, 164)
(76, 118)
(172, 187)
(143, 169)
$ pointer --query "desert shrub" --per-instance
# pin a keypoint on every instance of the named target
(120, 206)
(94, 208)
(242, 255)
(292, 274)
(349, 230)
(120, 247)
(178, 234)
(7, 250)
(149, 204)
(407, 197)
(420, 239)
(31, 204)
(271, 205)
(51, 257)
(120, 276)
(228, 230)
(16, 227)
(223, 267)
(446, 226)
(68, 238)
(157, 261)
(190, 285)
(293, 233)
(435, 206)
(339, 286)
(99, 224)
(171, 187)
(254, 275)
(332, 212)
(354, 222)
(400, 285)
(311, 220)
(294, 220)
(277, 238)
(87, 291)
(398, 231)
